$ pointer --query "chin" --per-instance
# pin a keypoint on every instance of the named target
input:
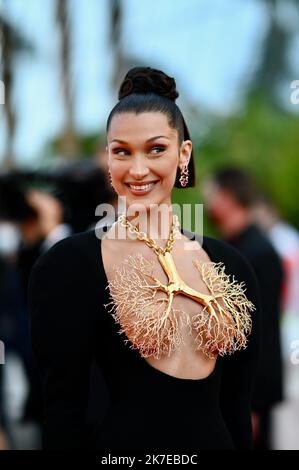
(145, 204)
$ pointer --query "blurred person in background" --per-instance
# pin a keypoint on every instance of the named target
(230, 195)
(82, 186)
(285, 239)
(14, 330)
(42, 229)
(39, 209)
(12, 321)
(39, 232)
(31, 223)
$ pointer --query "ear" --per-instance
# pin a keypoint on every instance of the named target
(185, 153)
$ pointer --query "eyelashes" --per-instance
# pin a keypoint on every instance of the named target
(124, 152)
(118, 151)
(159, 147)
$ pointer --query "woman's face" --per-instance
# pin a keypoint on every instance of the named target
(144, 154)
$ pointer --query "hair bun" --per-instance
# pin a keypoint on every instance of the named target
(142, 80)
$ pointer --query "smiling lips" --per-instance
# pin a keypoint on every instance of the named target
(141, 188)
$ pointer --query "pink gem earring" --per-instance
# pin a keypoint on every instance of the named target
(184, 176)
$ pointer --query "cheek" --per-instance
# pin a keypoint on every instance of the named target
(117, 169)
(168, 166)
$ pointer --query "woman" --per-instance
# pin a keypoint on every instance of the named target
(180, 373)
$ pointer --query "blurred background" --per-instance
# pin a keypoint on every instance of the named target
(236, 63)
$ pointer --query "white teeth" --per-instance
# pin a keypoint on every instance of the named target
(142, 188)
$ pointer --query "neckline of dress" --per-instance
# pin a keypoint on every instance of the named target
(158, 372)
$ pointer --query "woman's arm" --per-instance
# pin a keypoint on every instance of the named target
(63, 335)
(239, 369)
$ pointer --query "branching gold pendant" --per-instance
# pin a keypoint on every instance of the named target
(153, 326)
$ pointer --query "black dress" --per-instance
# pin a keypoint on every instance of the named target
(146, 408)
(268, 390)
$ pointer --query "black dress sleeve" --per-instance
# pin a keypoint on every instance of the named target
(63, 338)
(240, 368)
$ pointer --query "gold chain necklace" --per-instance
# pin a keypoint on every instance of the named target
(153, 325)
(149, 241)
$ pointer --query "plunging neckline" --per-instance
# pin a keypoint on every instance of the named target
(151, 368)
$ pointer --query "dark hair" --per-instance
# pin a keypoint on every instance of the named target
(239, 183)
(144, 90)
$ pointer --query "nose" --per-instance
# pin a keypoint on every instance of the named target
(139, 168)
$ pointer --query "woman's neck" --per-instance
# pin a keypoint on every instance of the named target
(156, 222)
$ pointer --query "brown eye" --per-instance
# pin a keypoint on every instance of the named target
(158, 149)
(120, 152)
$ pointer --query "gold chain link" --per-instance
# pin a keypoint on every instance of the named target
(149, 241)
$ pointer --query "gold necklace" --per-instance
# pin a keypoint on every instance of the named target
(154, 326)
(149, 241)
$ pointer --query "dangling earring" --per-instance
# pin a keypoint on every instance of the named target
(184, 175)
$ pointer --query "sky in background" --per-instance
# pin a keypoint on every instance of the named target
(210, 47)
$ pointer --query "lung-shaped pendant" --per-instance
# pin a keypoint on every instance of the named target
(153, 326)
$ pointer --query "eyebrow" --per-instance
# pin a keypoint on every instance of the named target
(148, 140)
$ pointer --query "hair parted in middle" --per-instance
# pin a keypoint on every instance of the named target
(145, 89)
